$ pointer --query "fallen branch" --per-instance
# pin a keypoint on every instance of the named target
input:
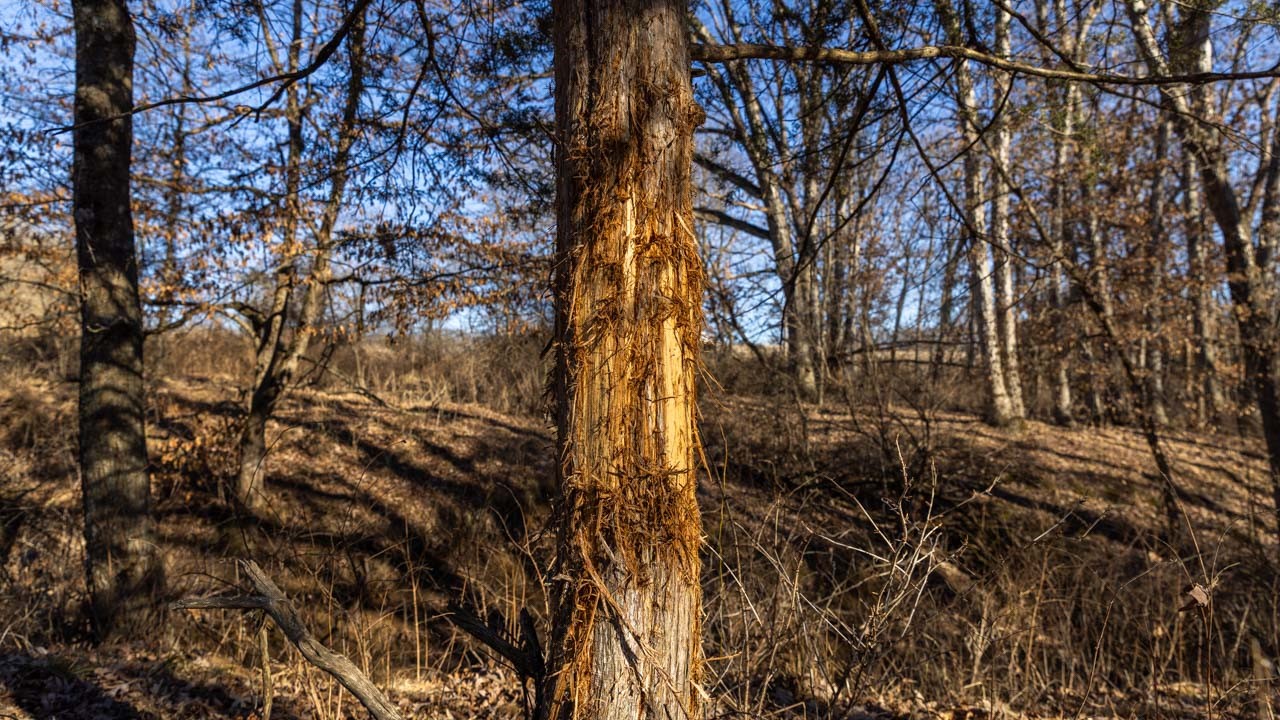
(271, 600)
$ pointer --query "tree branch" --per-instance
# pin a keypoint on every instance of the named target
(285, 79)
(721, 217)
(725, 173)
(746, 51)
(271, 600)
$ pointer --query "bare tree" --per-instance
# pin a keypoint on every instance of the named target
(1006, 308)
(1072, 31)
(1250, 257)
(804, 174)
(983, 291)
(281, 337)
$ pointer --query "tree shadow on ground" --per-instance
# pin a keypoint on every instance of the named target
(67, 687)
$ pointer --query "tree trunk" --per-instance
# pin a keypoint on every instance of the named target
(1062, 401)
(802, 329)
(1202, 315)
(123, 570)
(982, 294)
(950, 262)
(268, 383)
(1153, 355)
(1000, 411)
(628, 291)
(900, 306)
(982, 284)
(1006, 313)
(1051, 16)
(754, 133)
(250, 490)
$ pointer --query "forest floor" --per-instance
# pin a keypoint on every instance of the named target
(886, 564)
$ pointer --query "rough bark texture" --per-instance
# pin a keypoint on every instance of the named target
(628, 287)
(123, 570)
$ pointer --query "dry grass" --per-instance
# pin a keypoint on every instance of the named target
(1051, 589)
(1020, 572)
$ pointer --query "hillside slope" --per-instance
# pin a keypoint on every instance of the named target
(928, 565)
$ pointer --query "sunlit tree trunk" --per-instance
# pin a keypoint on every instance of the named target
(123, 569)
(983, 298)
(1006, 310)
(1100, 275)
(628, 297)
(801, 327)
(1061, 349)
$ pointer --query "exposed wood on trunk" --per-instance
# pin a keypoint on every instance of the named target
(628, 292)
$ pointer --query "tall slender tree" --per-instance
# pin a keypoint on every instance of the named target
(1000, 410)
(123, 569)
(1003, 257)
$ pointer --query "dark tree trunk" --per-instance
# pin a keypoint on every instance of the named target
(123, 570)
(628, 290)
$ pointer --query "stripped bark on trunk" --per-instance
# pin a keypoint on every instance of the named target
(628, 291)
